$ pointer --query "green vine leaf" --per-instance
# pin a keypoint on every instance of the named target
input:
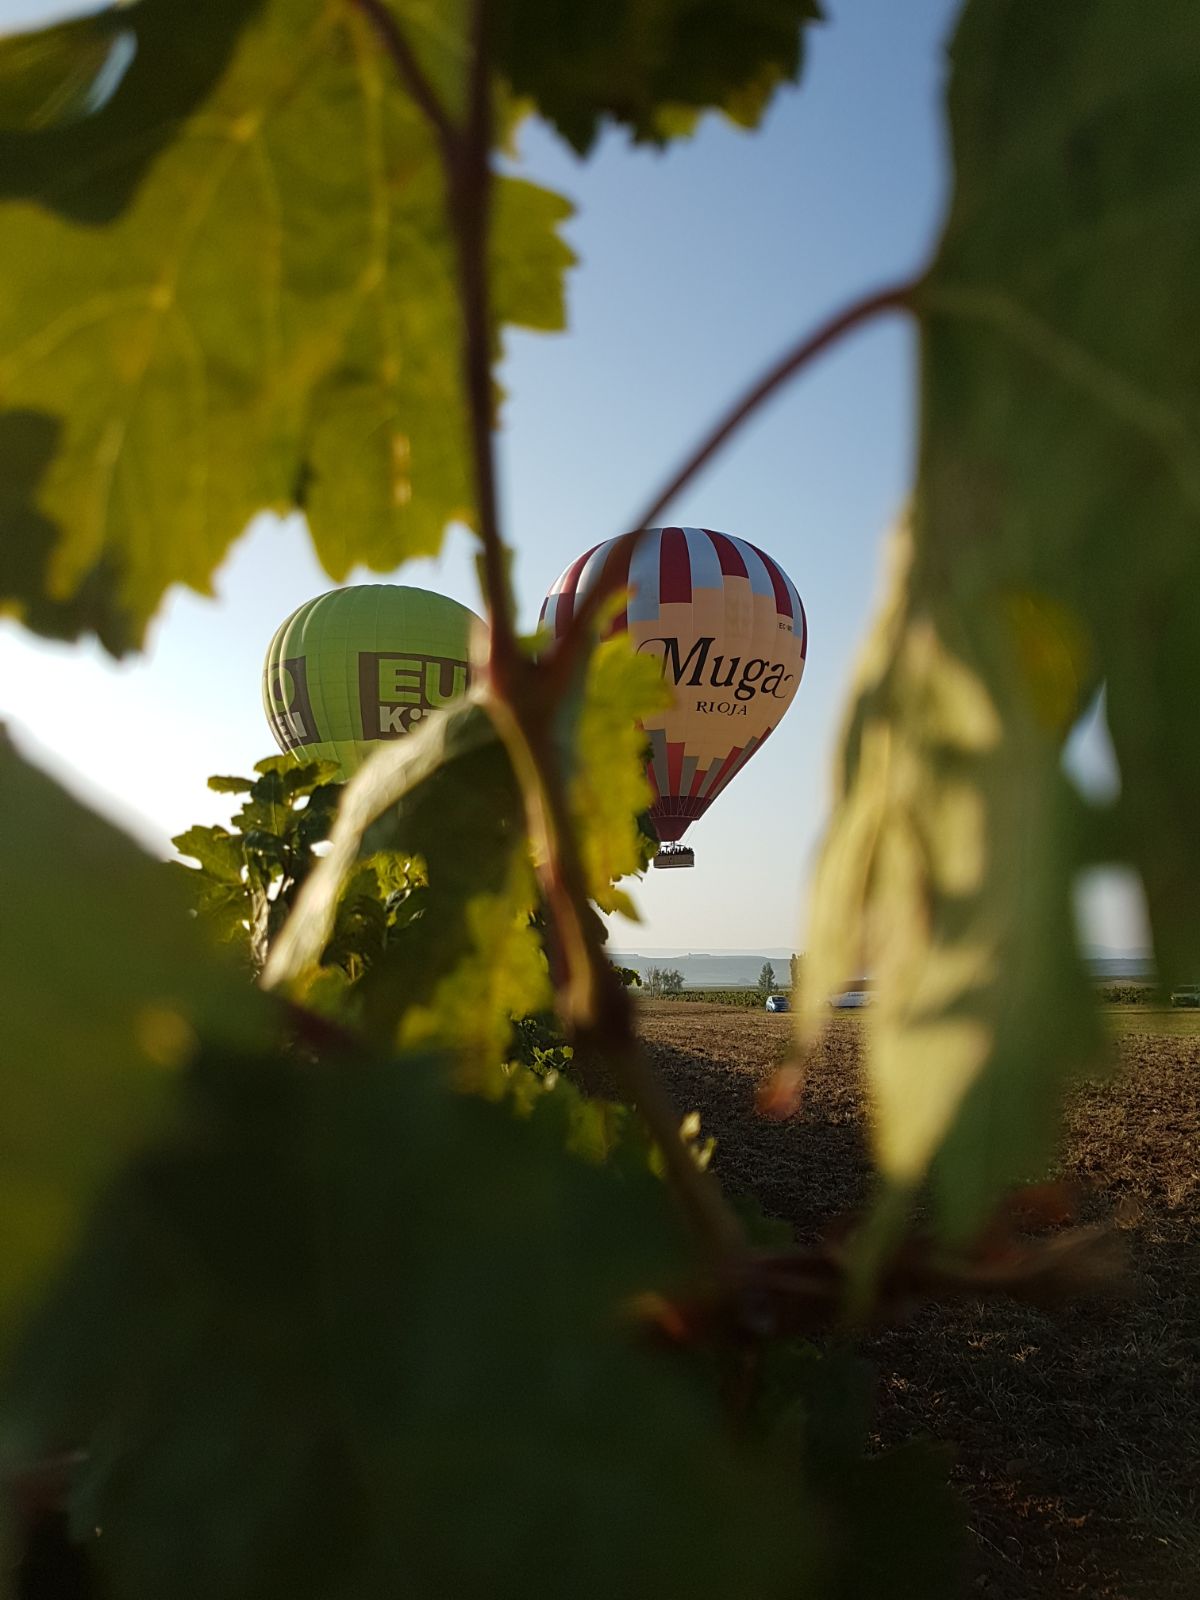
(823, 1403)
(609, 788)
(471, 960)
(232, 290)
(359, 1236)
(468, 961)
(946, 875)
(63, 75)
(1063, 367)
(653, 66)
(9, 1552)
(245, 879)
(55, 160)
(500, 974)
(105, 984)
(1053, 548)
(217, 852)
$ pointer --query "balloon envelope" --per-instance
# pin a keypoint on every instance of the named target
(730, 628)
(361, 665)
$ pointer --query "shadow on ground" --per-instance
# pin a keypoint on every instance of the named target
(1077, 1433)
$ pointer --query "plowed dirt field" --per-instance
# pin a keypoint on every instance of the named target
(1077, 1432)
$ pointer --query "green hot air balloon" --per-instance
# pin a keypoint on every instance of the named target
(360, 665)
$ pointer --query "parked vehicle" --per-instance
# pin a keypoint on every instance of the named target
(778, 1002)
(1189, 995)
(850, 999)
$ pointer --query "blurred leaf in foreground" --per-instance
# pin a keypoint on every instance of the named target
(653, 66)
(1061, 456)
(105, 985)
(946, 875)
(62, 75)
(371, 1333)
(9, 1556)
(889, 1517)
(50, 128)
(1053, 547)
(230, 290)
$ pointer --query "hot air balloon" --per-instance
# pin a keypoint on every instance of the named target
(730, 629)
(357, 666)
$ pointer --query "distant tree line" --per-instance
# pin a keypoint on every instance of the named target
(662, 982)
(667, 983)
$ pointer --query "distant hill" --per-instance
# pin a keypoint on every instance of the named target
(1121, 966)
(710, 969)
(733, 969)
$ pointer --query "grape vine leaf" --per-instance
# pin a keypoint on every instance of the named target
(1064, 370)
(218, 854)
(368, 1335)
(889, 1515)
(1053, 547)
(231, 290)
(162, 87)
(10, 1551)
(244, 880)
(104, 987)
(653, 66)
(61, 75)
(469, 960)
(500, 974)
(946, 875)
(225, 784)
(605, 751)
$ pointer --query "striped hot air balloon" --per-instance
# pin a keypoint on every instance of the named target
(730, 628)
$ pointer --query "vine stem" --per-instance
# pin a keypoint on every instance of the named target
(895, 297)
(466, 168)
(594, 1003)
(791, 364)
(523, 696)
(408, 69)
(470, 184)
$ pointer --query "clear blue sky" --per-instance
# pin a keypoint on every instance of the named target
(696, 267)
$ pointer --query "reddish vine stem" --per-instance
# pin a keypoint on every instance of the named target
(897, 297)
(594, 1003)
(466, 166)
(524, 696)
(790, 365)
(393, 39)
(470, 183)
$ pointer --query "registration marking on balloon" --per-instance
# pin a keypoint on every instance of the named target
(730, 629)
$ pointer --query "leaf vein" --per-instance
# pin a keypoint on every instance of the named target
(1152, 415)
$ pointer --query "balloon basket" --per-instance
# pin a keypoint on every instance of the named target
(675, 855)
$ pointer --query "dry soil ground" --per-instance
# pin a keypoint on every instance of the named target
(1077, 1433)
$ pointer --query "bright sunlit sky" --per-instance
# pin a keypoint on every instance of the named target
(696, 267)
